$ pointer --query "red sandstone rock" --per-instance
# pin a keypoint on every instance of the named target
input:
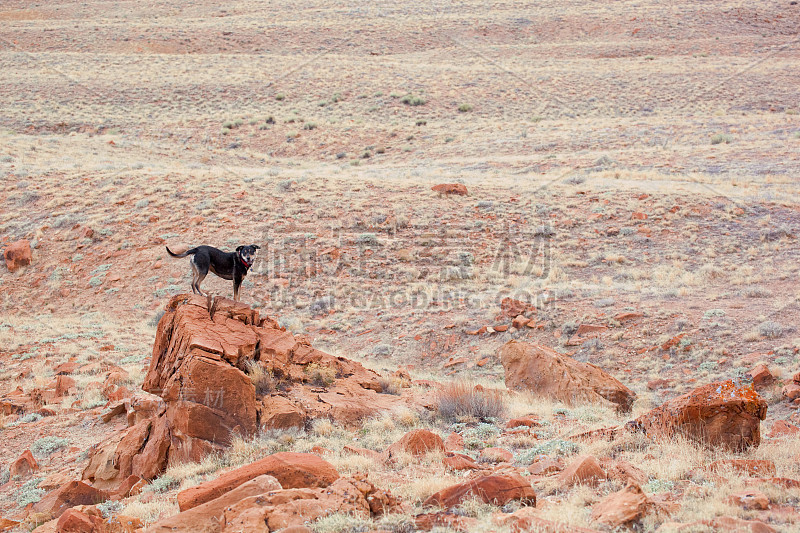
(525, 520)
(454, 442)
(547, 373)
(294, 507)
(510, 308)
(751, 500)
(781, 428)
(582, 471)
(24, 465)
(417, 443)
(450, 188)
(520, 321)
(496, 455)
(544, 464)
(292, 470)
(17, 255)
(73, 521)
(123, 524)
(584, 332)
(202, 516)
(527, 421)
(791, 391)
(495, 489)
(197, 369)
(622, 508)
(459, 461)
(445, 519)
(761, 376)
(717, 414)
(750, 467)
(69, 495)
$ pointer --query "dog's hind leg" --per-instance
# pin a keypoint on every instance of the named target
(197, 278)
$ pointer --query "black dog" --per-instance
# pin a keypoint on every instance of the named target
(227, 265)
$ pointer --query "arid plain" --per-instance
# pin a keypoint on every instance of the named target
(632, 180)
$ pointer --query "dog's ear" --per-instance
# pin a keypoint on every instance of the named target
(239, 248)
(256, 247)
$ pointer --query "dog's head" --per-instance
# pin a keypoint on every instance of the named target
(247, 254)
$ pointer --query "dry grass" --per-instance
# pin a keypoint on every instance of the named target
(462, 400)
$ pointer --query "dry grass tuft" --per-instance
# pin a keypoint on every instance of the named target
(461, 400)
(262, 379)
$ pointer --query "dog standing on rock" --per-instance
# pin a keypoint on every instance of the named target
(227, 265)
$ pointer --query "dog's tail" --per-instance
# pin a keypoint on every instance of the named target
(184, 254)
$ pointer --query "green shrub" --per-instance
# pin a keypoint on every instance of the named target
(29, 492)
(411, 99)
(47, 445)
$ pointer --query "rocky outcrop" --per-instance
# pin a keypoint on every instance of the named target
(201, 517)
(547, 373)
(222, 370)
(719, 414)
(276, 509)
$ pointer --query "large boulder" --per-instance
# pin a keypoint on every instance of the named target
(547, 373)
(17, 255)
(291, 470)
(219, 369)
(495, 489)
(721, 414)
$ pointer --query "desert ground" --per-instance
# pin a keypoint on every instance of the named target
(632, 177)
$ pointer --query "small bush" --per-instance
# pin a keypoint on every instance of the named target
(390, 385)
(462, 400)
(262, 379)
(410, 99)
(770, 329)
(47, 445)
(27, 419)
(162, 484)
(341, 523)
(367, 239)
(110, 508)
(464, 108)
(29, 492)
(556, 446)
(321, 376)
(721, 138)
(280, 97)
